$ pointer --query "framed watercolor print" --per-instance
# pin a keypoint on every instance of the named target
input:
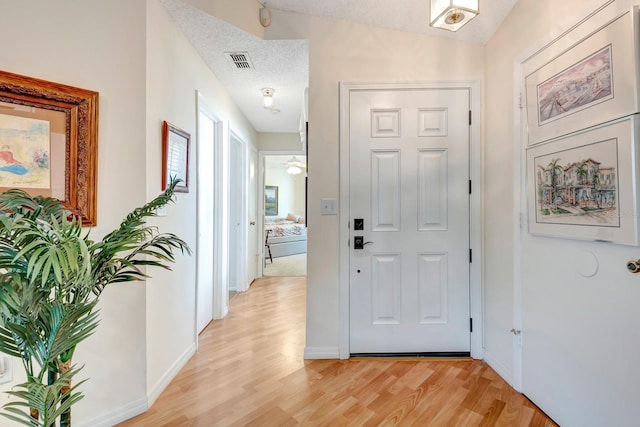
(584, 186)
(175, 157)
(49, 142)
(592, 82)
(270, 200)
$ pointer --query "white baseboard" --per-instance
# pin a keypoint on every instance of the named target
(322, 353)
(118, 415)
(140, 406)
(499, 367)
(154, 392)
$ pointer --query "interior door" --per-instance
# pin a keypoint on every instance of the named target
(236, 220)
(253, 257)
(205, 254)
(409, 229)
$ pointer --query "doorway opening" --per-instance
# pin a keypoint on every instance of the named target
(285, 216)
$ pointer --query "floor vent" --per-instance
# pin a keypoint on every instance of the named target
(240, 60)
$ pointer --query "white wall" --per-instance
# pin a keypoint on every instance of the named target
(349, 52)
(290, 192)
(100, 46)
(580, 339)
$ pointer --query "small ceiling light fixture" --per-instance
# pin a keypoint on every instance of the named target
(453, 14)
(294, 166)
(265, 16)
(294, 170)
(267, 97)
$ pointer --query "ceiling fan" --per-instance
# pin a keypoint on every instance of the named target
(294, 166)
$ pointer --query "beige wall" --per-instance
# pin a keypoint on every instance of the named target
(175, 72)
(348, 52)
(145, 72)
(244, 14)
(99, 46)
(279, 142)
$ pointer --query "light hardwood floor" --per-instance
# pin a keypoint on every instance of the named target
(249, 371)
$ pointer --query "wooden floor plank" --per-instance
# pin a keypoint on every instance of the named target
(249, 371)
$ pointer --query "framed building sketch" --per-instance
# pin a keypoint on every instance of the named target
(592, 82)
(584, 186)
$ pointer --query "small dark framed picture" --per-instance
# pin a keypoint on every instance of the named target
(175, 157)
(270, 200)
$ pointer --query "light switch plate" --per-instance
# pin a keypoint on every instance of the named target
(328, 207)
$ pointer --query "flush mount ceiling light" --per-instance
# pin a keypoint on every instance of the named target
(453, 14)
(267, 97)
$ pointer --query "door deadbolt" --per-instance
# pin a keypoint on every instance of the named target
(359, 243)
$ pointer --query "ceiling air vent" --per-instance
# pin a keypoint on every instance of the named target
(240, 60)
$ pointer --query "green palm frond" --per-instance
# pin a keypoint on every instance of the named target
(44, 398)
(19, 203)
(64, 326)
(51, 276)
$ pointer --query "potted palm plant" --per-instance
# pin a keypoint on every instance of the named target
(51, 277)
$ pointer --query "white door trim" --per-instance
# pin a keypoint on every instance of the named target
(220, 274)
(253, 258)
(242, 190)
(475, 237)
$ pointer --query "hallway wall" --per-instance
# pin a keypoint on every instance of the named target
(580, 342)
(99, 46)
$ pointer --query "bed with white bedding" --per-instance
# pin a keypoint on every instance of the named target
(287, 236)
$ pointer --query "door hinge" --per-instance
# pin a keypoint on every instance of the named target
(471, 324)
(469, 117)
(470, 187)
(520, 101)
(470, 255)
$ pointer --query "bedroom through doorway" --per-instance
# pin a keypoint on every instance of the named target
(285, 226)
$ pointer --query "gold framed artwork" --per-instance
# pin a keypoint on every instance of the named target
(49, 141)
(175, 156)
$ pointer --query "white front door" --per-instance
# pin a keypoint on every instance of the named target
(409, 206)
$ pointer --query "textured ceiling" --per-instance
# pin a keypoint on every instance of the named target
(279, 64)
(284, 64)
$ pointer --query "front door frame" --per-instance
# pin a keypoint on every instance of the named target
(475, 205)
